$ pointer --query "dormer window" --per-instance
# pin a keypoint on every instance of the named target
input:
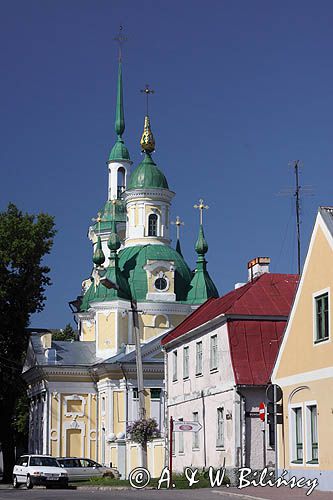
(152, 225)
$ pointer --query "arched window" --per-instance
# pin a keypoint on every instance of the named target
(120, 181)
(152, 225)
(161, 322)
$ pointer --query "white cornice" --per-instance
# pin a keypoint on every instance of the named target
(161, 194)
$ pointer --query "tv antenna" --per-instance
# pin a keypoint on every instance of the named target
(296, 193)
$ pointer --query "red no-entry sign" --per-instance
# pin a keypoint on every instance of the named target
(262, 412)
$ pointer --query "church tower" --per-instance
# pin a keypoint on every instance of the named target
(87, 391)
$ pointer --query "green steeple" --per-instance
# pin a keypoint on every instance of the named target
(119, 150)
(202, 286)
(97, 291)
(98, 257)
(178, 247)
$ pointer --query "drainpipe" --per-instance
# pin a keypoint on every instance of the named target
(204, 427)
(166, 409)
(242, 424)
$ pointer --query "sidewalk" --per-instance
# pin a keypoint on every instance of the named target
(273, 493)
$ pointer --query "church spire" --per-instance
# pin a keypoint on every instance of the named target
(120, 118)
(119, 151)
(202, 286)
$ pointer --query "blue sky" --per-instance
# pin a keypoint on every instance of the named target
(241, 89)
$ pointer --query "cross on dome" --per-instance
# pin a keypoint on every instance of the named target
(201, 208)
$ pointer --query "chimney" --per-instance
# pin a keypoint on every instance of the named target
(258, 266)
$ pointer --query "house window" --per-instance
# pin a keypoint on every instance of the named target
(322, 321)
(198, 359)
(155, 393)
(195, 435)
(213, 352)
(297, 436)
(174, 368)
(220, 428)
(185, 361)
(181, 440)
(152, 225)
(312, 432)
(120, 181)
(135, 394)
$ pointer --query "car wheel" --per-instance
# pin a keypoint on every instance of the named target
(29, 483)
(15, 482)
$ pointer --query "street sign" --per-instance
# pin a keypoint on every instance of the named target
(274, 396)
(262, 412)
(180, 426)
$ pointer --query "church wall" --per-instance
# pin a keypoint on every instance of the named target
(118, 412)
(106, 337)
(122, 329)
(87, 330)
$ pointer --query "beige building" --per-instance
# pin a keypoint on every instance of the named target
(304, 367)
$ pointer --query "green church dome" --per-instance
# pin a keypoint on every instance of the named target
(131, 262)
(147, 175)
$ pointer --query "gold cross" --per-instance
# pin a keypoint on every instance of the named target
(98, 220)
(178, 223)
(201, 207)
(120, 38)
(147, 91)
(115, 202)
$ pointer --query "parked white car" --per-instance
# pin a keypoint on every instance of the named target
(79, 469)
(42, 470)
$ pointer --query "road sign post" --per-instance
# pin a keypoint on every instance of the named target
(262, 416)
(274, 395)
(170, 450)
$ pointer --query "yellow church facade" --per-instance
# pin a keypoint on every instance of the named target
(304, 367)
(84, 394)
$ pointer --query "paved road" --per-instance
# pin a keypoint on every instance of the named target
(8, 493)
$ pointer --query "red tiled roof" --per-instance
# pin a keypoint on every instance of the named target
(253, 349)
(267, 295)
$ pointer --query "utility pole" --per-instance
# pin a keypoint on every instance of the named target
(139, 370)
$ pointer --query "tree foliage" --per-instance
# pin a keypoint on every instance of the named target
(24, 240)
(67, 333)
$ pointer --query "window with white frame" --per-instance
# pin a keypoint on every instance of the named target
(180, 440)
(321, 317)
(198, 358)
(195, 435)
(220, 428)
(186, 361)
(213, 352)
(174, 365)
(297, 435)
(312, 434)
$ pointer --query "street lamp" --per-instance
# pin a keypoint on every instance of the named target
(139, 370)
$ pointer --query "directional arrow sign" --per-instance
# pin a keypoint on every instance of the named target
(180, 426)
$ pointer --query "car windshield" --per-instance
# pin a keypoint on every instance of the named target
(44, 461)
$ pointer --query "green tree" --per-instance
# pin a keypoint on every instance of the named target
(68, 333)
(24, 240)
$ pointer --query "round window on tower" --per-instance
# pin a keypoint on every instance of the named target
(161, 283)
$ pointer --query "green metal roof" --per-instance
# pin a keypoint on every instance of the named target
(119, 151)
(132, 275)
(147, 175)
(107, 215)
